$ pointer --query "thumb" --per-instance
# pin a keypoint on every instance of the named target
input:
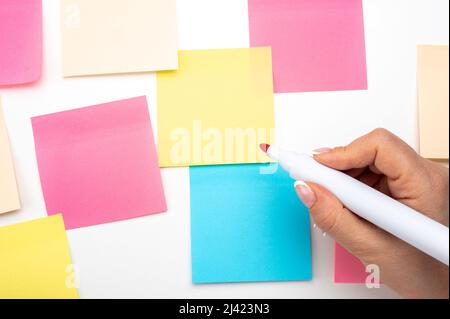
(357, 235)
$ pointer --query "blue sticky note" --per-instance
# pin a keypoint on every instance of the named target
(247, 225)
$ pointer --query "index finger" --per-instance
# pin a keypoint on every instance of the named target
(379, 149)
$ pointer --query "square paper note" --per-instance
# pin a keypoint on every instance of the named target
(317, 45)
(117, 36)
(247, 224)
(20, 41)
(98, 164)
(432, 86)
(216, 108)
(348, 268)
(35, 261)
(9, 195)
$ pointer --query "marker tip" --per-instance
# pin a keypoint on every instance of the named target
(264, 147)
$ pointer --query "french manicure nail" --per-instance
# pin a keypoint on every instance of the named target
(323, 150)
(305, 193)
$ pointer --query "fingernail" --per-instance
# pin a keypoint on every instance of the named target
(322, 150)
(305, 193)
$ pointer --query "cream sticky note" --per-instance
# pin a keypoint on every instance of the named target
(35, 261)
(116, 36)
(98, 164)
(20, 41)
(9, 195)
(216, 108)
(432, 100)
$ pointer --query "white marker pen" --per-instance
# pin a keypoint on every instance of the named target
(381, 210)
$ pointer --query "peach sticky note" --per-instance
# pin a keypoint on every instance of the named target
(35, 261)
(116, 36)
(433, 102)
(348, 268)
(20, 41)
(98, 164)
(9, 195)
(216, 108)
(318, 45)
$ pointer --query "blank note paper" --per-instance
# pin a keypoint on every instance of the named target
(116, 36)
(247, 226)
(98, 164)
(318, 45)
(35, 261)
(216, 108)
(9, 195)
(348, 268)
(433, 102)
(20, 41)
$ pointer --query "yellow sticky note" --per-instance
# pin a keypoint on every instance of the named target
(9, 195)
(433, 102)
(118, 36)
(217, 108)
(35, 261)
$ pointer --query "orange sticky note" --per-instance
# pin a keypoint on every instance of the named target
(432, 100)
(9, 196)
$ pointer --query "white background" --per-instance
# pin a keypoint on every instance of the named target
(150, 257)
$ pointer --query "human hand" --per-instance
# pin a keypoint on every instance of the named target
(383, 161)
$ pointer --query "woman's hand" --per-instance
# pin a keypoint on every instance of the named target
(383, 161)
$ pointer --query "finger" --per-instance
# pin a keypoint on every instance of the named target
(374, 169)
(381, 150)
(383, 187)
(364, 175)
(369, 178)
(354, 233)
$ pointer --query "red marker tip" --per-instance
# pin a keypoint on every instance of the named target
(264, 147)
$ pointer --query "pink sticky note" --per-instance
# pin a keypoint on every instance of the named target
(317, 45)
(99, 164)
(20, 41)
(348, 268)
